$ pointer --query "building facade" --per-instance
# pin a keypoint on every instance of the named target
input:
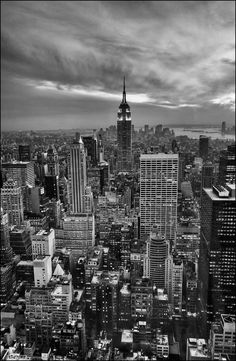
(77, 175)
(12, 202)
(217, 251)
(158, 193)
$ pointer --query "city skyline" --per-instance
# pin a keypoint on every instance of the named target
(63, 63)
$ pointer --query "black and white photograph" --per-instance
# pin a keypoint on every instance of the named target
(117, 180)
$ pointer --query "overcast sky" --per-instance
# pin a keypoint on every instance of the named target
(63, 63)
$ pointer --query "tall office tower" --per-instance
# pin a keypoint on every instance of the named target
(124, 140)
(174, 282)
(7, 282)
(12, 203)
(100, 150)
(42, 270)
(125, 307)
(158, 130)
(91, 144)
(43, 243)
(223, 128)
(174, 146)
(24, 153)
(155, 260)
(227, 166)
(88, 200)
(38, 316)
(217, 251)
(207, 175)
(6, 258)
(51, 179)
(203, 146)
(146, 128)
(6, 252)
(77, 175)
(23, 174)
(104, 290)
(52, 161)
(158, 194)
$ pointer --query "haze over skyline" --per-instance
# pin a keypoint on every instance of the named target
(63, 63)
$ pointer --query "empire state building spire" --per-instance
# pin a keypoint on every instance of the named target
(124, 92)
(124, 138)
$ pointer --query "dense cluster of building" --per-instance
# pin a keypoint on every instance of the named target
(115, 259)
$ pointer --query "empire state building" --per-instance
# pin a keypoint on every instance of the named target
(124, 139)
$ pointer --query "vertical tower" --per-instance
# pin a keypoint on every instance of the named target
(90, 143)
(124, 140)
(227, 166)
(12, 203)
(155, 260)
(217, 251)
(52, 161)
(207, 175)
(174, 282)
(158, 193)
(51, 180)
(6, 253)
(24, 153)
(77, 174)
(203, 146)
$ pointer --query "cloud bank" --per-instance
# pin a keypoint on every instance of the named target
(175, 56)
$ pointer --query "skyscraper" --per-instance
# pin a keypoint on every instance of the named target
(155, 260)
(77, 175)
(51, 179)
(90, 143)
(158, 193)
(227, 166)
(52, 161)
(124, 139)
(6, 252)
(174, 282)
(217, 251)
(12, 203)
(207, 175)
(24, 153)
(20, 172)
(203, 146)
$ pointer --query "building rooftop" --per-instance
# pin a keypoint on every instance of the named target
(25, 263)
(41, 257)
(158, 156)
(127, 336)
(162, 340)
(111, 277)
(43, 232)
(124, 290)
(58, 290)
(221, 193)
(196, 353)
(17, 229)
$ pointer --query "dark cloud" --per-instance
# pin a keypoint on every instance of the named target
(177, 52)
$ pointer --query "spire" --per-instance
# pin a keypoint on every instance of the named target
(124, 93)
